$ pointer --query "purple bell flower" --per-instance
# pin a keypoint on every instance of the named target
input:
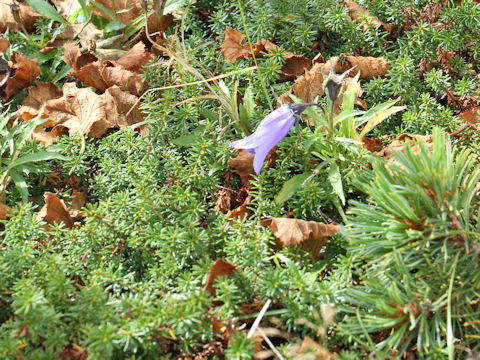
(273, 128)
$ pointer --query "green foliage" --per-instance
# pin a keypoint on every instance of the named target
(127, 281)
(416, 233)
(16, 165)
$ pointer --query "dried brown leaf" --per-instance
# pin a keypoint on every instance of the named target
(4, 44)
(232, 48)
(124, 10)
(470, 116)
(78, 109)
(292, 232)
(310, 85)
(243, 164)
(27, 16)
(85, 32)
(399, 145)
(368, 66)
(135, 59)
(100, 75)
(78, 201)
(24, 73)
(357, 13)
(36, 98)
(219, 268)
(242, 212)
(54, 211)
(5, 211)
(117, 105)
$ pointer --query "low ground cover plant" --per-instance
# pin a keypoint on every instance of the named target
(152, 206)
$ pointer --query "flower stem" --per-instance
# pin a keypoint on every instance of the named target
(260, 77)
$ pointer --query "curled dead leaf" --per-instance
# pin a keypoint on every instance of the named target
(55, 211)
(310, 235)
(135, 59)
(219, 268)
(37, 98)
(102, 75)
(310, 85)
(24, 72)
(292, 232)
(77, 110)
(4, 45)
(5, 211)
(358, 13)
(369, 67)
(26, 15)
(118, 104)
(232, 49)
(243, 165)
(470, 116)
(79, 199)
(124, 10)
(242, 212)
(85, 32)
(399, 145)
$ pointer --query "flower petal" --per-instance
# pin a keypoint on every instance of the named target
(271, 139)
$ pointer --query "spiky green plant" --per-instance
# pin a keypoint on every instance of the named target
(417, 239)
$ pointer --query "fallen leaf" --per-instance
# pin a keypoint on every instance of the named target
(399, 145)
(470, 116)
(310, 85)
(24, 72)
(5, 211)
(124, 10)
(66, 7)
(310, 346)
(54, 211)
(232, 50)
(26, 14)
(292, 232)
(88, 69)
(4, 45)
(78, 109)
(118, 104)
(219, 268)
(369, 67)
(37, 98)
(242, 212)
(135, 59)
(294, 66)
(87, 33)
(78, 201)
(243, 165)
(358, 13)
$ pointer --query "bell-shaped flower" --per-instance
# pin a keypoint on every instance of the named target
(273, 128)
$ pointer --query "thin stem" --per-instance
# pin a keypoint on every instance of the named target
(252, 50)
(332, 132)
